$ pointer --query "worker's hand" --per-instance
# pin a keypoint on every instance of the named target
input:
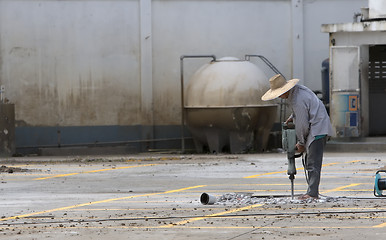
(300, 148)
(290, 119)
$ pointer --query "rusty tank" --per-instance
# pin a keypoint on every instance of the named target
(224, 110)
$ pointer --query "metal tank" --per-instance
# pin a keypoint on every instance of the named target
(223, 107)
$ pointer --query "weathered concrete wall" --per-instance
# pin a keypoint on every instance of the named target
(82, 63)
(71, 63)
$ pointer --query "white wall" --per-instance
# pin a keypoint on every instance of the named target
(71, 63)
(316, 45)
(116, 62)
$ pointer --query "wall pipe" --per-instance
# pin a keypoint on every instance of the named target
(266, 61)
(275, 70)
(182, 93)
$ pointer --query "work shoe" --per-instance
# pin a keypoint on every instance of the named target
(306, 197)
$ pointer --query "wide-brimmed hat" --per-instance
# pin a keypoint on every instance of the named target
(278, 86)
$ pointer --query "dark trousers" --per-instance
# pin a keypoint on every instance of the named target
(313, 165)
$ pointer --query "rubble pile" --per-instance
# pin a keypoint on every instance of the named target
(5, 169)
(248, 198)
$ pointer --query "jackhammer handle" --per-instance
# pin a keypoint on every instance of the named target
(297, 154)
(289, 125)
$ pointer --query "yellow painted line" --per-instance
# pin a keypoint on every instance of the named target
(28, 174)
(357, 190)
(353, 176)
(256, 227)
(380, 225)
(199, 227)
(299, 176)
(212, 215)
(25, 165)
(93, 171)
(355, 161)
(168, 208)
(329, 164)
(164, 201)
(191, 227)
(342, 187)
(154, 159)
(247, 190)
(98, 202)
(270, 173)
(248, 184)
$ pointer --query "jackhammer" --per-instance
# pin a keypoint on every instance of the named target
(289, 145)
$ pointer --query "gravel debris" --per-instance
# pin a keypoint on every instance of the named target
(248, 199)
(6, 169)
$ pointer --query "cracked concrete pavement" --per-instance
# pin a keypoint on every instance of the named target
(157, 196)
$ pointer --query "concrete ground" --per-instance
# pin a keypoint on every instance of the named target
(157, 196)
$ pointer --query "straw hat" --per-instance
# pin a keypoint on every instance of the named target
(278, 86)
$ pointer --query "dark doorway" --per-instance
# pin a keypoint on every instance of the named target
(377, 90)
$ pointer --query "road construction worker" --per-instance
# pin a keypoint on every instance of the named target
(312, 125)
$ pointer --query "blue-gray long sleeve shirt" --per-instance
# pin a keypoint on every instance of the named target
(309, 115)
